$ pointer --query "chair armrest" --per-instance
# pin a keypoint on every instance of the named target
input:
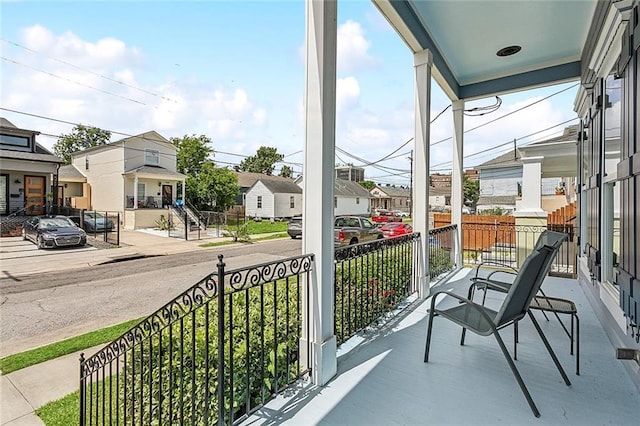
(461, 299)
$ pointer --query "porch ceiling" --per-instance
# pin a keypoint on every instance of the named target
(464, 37)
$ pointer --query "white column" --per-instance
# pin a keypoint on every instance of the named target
(457, 172)
(420, 186)
(319, 171)
(135, 192)
(531, 202)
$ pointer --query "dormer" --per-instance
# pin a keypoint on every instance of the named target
(15, 139)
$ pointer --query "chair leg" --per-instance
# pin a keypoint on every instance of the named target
(516, 374)
(577, 344)
(429, 329)
(515, 340)
(549, 349)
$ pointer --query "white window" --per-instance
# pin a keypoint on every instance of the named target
(292, 202)
(141, 191)
(259, 201)
(357, 200)
(335, 202)
(151, 157)
(86, 162)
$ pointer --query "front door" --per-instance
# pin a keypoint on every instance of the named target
(167, 195)
(34, 188)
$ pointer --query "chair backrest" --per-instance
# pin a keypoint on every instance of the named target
(553, 240)
(527, 283)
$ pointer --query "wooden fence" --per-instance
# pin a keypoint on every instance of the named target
(481, 232)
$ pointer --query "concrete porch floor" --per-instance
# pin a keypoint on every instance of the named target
(384, 381)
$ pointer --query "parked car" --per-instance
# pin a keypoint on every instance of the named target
(349, 230)
(53, 231)
(94, 221)
(385, 217)
(396, 229)
(400, 213)
(294, 227)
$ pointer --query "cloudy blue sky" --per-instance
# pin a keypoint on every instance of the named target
(234, 71)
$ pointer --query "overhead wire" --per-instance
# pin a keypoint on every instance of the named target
(89, 71)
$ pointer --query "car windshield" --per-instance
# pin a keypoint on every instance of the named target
(93, 215)
(55, 222)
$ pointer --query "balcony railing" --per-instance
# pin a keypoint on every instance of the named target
(441, 250)
(208, 356)
(371, 279)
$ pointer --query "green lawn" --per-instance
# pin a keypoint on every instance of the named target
(62, 412)
(263, 227)
(64, 347)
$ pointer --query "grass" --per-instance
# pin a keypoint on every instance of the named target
(268, 237)
(272, 237)
(62, 412)
(54, 350)
(263, 227)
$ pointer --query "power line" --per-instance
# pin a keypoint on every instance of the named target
(89, 71)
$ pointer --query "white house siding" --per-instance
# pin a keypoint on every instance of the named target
(134, 152)
(500, 181)
(104, 174)
(348, 206)
(251, 206)
(283, 205)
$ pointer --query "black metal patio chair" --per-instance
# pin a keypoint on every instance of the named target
(484, 321)
(501, 280)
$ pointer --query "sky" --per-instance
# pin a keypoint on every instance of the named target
(234, 71)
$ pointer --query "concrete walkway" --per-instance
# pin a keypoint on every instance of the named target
(24, 391)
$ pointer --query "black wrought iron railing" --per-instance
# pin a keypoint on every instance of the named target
(508, 244)
(371, 279)
(441, 250)
(214, 354)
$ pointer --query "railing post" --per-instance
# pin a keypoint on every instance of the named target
(220, 295)
(187, 224)
(118, 230)
(83, 393)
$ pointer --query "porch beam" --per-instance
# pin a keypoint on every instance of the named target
(457, 173)
(423, 62)
(319, 164)
(135, 192)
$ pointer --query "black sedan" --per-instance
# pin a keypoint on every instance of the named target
(53, 231)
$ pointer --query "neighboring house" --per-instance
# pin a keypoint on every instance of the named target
(440, 198)
(271, 199)
(501, 177)
(391, 197)
(350, 198)
(27, 173)
(73, 188)
(247, 179)
(135, 176)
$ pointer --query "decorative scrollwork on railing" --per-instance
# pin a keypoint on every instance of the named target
(194, 297)
(443, 229)
(242, 279)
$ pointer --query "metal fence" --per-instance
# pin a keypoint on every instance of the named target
(441, 250)
(370, 279)
(214, 354)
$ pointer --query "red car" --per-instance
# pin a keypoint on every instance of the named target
(395, 229)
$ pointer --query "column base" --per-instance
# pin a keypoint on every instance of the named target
(324, 360)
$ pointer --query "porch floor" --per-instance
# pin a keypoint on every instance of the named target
(384, 381)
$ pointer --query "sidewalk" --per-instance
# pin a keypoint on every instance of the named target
(24, 391)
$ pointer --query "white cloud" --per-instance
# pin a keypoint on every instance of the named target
(352, 48)
(347, 93)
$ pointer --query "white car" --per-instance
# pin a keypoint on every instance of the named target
(401, 213)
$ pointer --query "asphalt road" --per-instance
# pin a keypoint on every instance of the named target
(41, 309)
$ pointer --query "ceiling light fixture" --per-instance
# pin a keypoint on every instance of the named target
(509, 50)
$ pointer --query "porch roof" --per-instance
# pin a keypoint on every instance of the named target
(154, 172)
(465, 37)
(384, 380)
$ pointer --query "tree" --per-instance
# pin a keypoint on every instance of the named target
(81, 137)
(193, 152)
(367, 184)
(286, 171)
(471, 190)
(216, 187)
(263, 162)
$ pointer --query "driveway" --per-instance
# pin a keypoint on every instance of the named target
(16, 247)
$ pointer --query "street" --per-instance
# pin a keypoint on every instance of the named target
(44, 308)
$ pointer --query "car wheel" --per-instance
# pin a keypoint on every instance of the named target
(40, 242)
(24, 234)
